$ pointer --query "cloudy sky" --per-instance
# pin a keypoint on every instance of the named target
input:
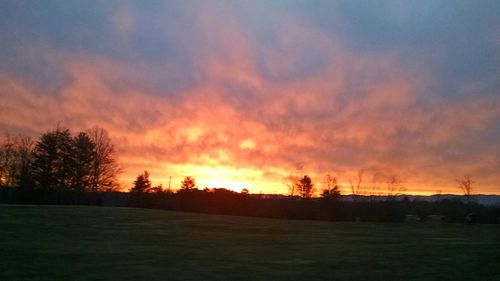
(238, 93)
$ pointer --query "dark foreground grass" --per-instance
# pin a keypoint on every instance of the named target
(97, 243)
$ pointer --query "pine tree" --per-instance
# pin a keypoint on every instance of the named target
(188, 183)
(52, 160)
(82, 159)
(142, 183)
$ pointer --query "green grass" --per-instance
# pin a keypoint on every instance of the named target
(98, 243)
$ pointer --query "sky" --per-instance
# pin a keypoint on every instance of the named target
(239, 93)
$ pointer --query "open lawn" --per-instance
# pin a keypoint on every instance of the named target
(101, 243)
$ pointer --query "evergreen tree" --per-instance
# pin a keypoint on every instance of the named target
(188, 183)
(52, 160)
(82, 159)
(142, 183)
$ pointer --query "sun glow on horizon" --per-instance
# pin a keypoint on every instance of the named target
(207, 176)
(233, 185)
(257, 182)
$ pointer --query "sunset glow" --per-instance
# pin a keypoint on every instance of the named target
(237, 93)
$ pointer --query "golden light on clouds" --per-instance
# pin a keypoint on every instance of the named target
(259, 100)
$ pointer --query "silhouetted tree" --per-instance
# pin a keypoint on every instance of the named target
(375, 184)
(142, 183)
(8, 157)
(157, 189)
(331, 188)
(188, 183)
(15, 161)
(394, 187)
(82, 157)
(293, 179)
(52, 160)
(104, 168)
(305, 187)
(25, 154)
(465, 185)
(356, 187)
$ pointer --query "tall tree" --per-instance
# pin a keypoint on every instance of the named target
(64, 161)
(82, 159)
(394, 186)
(331, 188)
(356, 187)
(293, 179)
(465, 185)
(8, 157)
(52, 160)
(15, 161)
(142, 183)
(305, 187)
(25, 152)
(104, 168)
(188, 183)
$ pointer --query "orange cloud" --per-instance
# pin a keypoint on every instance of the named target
(246, 122)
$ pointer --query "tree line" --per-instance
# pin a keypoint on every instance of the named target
(59, 161)
(331, 205)
(388, 186)
(64, 168)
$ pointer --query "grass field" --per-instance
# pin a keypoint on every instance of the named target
(98, 243)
